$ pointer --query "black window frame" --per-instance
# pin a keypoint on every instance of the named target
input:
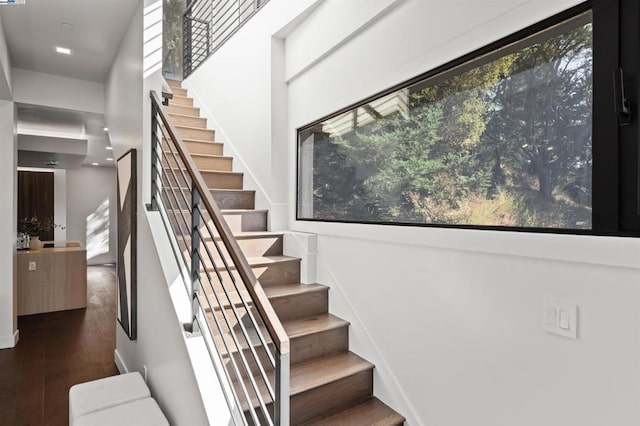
(616, 156)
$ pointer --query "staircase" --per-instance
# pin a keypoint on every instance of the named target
(329, 384)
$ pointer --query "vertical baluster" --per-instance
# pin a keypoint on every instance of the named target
(195, 256)
(281, 404)
(154, 157)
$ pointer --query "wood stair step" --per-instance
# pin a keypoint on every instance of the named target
(318, 337)
(252, 244)
(298, 301)
(244, 220)
(188, 120)
(195, 146)
(178, 91)
(222, 180)
(181, 101)
(234, 198)
(183, 110)
(187, 132)
(370, 412)
(269, 270)
(210, 162)
(173, 83)
(320, 387)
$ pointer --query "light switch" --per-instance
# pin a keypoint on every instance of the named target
(564, 320)
(560, 318)
(552, 316)
(32, 266)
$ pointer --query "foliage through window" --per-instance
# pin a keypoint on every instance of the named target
(502, 140)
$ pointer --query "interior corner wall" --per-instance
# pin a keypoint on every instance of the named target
(91, 211)
(5, 67)
(159, 346)
(8, 222)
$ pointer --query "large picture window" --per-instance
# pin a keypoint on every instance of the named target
(501, 140)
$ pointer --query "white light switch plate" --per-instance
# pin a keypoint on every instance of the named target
(560, 318)
(32, 266)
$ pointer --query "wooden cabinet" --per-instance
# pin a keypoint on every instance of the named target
(59, 281)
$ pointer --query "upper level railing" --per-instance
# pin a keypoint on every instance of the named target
(229, 306)
(207, 24)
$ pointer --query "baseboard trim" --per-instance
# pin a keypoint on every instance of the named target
(10, 341)
(122, 367)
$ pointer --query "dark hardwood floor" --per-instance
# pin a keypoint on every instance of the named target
(56, 351)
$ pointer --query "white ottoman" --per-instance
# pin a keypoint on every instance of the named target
(142, 412)
(85, 398)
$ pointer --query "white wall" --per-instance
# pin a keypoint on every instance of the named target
(60, 204)
(8, 221)
(91, 212)
(5, 66)
(36, 88)
(161, 344)
(242, 113)
(451, 318)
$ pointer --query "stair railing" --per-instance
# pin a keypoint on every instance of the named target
(229, 306)
(208, 24)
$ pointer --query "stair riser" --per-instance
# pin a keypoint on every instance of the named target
(223, 164)
(336, 341)
(181, 101)
(301, 305)
(223, 181)
(184, 110)
(285, 272)
(211, 148)
(181, 120)
(173, 83)
(247, 221)
(331, 398)
(178, 91)
(251, 247)
(328, 399)
(200, 134)
(234, 199)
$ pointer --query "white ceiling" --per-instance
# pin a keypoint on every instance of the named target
(33, 31)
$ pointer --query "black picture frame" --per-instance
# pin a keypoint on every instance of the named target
(127, 243)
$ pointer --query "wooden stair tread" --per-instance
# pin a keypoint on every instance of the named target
(206, 155)
(371, 412)
(294, 329)
(240, 211)
(191, 140)
(284, 290)
(310, 325)
(315, 373)
(221, 172)
(175, 114)
(182, 126)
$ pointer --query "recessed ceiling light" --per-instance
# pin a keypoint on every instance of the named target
(67, 26)
(63, 50)
(109, 159)
(109, 148)
(106, 129)
(95, 164)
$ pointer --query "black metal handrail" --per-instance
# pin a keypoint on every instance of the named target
(228, 303)
(208, 24)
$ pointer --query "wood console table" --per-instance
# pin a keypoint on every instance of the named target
(59, 281)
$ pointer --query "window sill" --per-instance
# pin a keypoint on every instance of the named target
(619, 252)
